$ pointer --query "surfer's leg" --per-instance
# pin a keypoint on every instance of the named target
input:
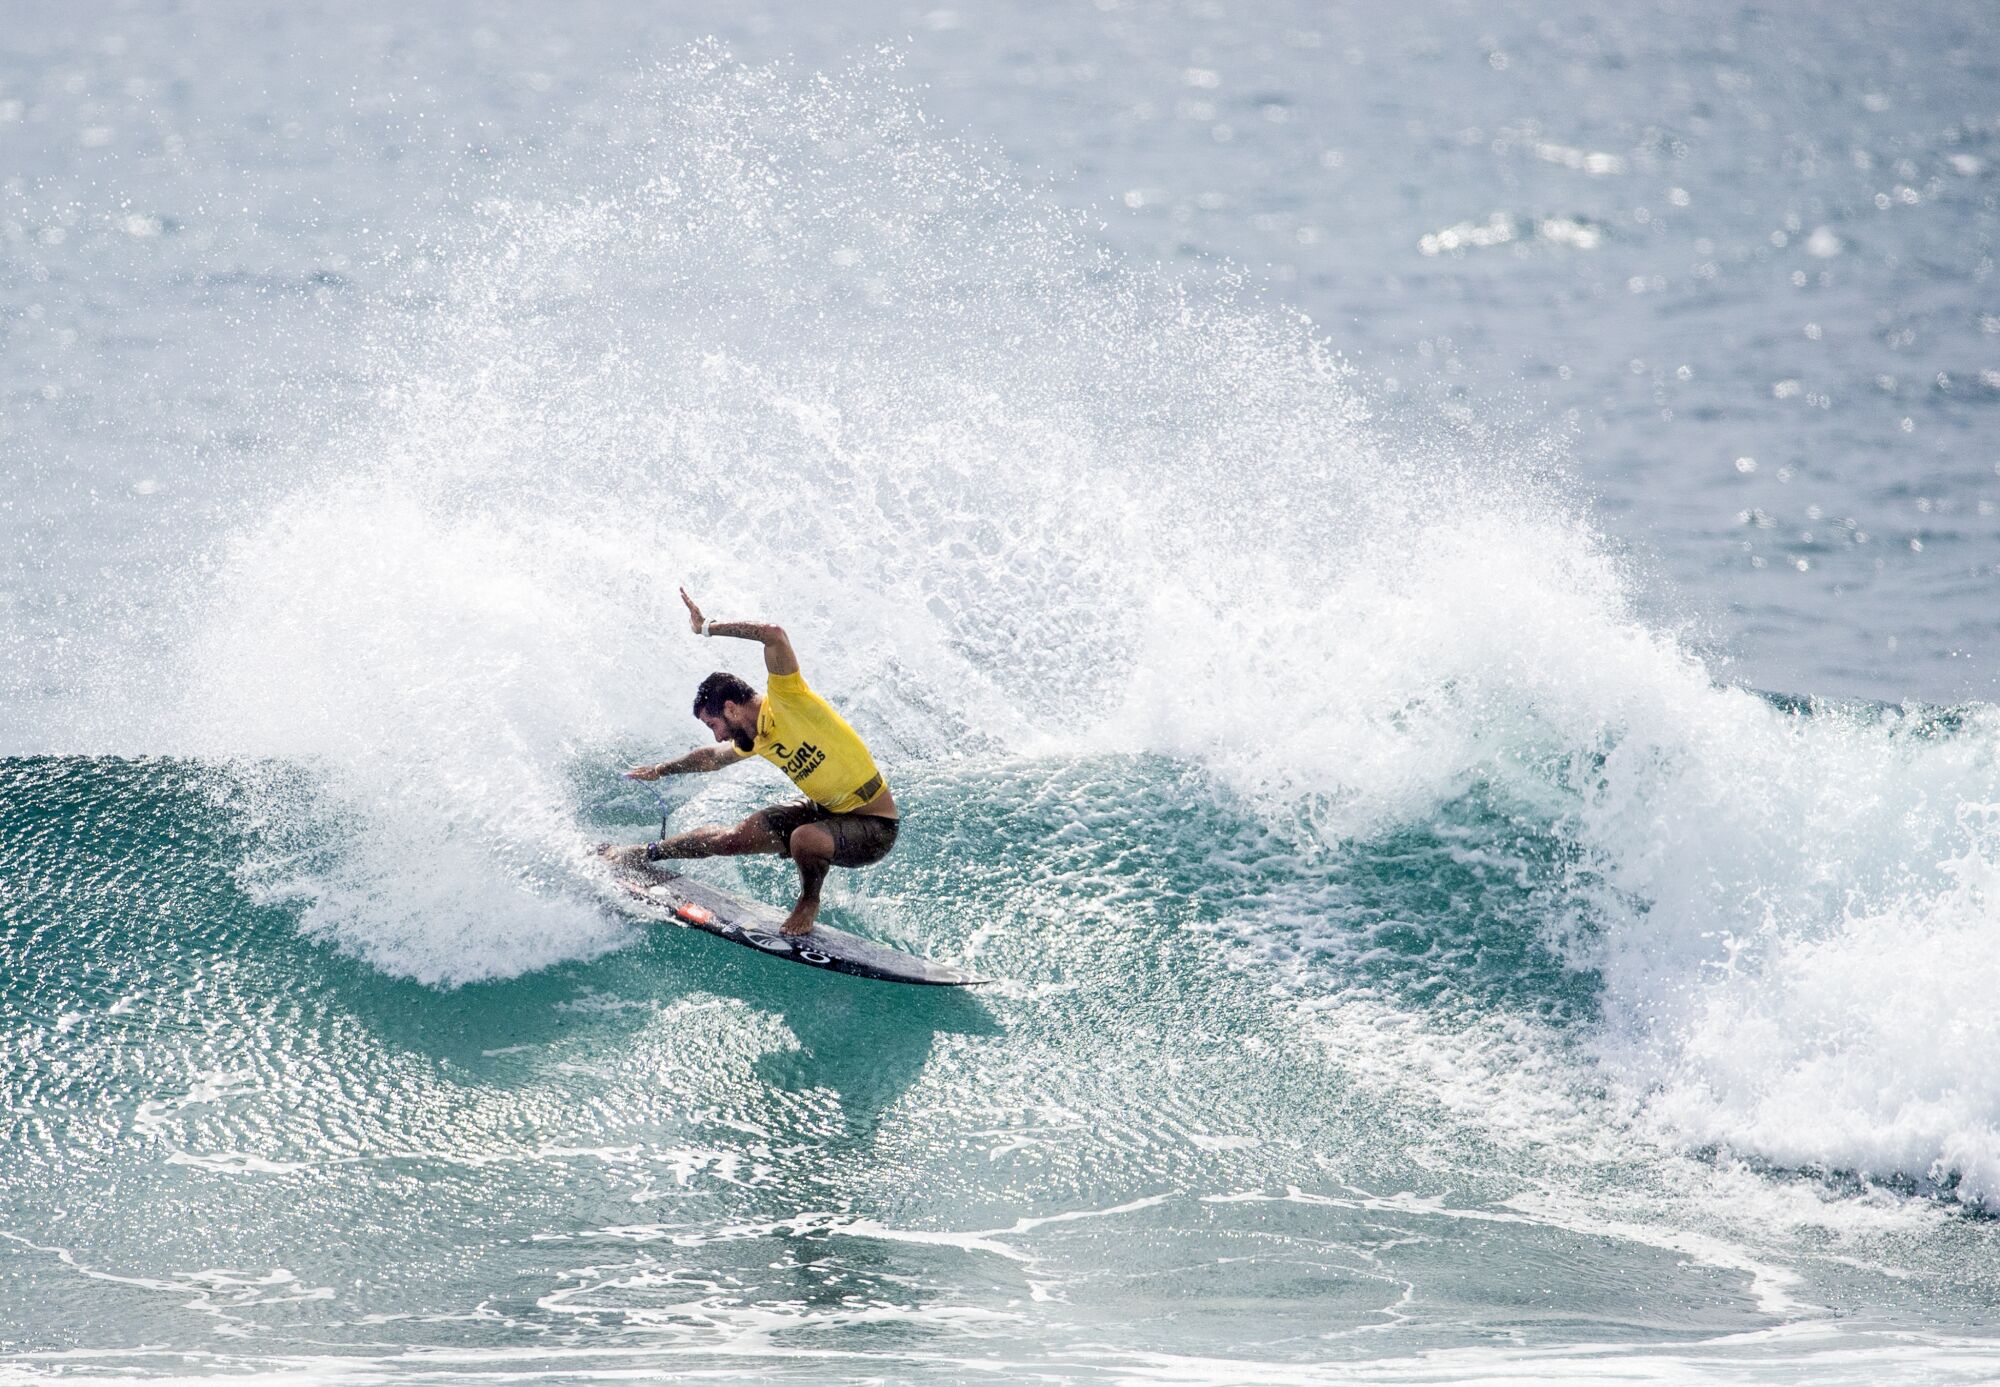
(811, 847)
(754, 834)
(861, 840)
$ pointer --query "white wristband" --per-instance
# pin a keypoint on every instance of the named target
(705, 624)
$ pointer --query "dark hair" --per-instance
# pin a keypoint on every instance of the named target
(720, 688)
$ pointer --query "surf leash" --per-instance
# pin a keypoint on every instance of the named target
(665, 808)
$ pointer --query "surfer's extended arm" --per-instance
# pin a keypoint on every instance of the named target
(702, 758)
(778, 656)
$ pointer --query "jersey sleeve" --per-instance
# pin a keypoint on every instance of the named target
(786, 685)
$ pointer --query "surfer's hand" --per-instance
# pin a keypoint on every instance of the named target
(644, 773)
(694, 612)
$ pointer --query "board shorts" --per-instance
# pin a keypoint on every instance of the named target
(858, 839)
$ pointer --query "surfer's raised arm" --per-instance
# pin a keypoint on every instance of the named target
(778, 656)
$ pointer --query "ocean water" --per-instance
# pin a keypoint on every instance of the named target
(1424, 581)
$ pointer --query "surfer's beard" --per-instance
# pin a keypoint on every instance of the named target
(744, 741)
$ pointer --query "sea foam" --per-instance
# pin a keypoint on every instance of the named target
(787, 345)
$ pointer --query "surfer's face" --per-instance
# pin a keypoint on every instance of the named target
(732, 724)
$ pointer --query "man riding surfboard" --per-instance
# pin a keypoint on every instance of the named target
(848, 817)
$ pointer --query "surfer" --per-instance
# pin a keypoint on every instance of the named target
(848, 818)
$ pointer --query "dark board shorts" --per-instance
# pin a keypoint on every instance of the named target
(858, 839)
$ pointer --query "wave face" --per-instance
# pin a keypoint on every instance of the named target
(795, 353)
(1204, 683)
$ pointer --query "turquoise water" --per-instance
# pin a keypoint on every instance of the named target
(1477, 781)
(233, 1148)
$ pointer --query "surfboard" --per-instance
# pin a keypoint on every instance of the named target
(665, 896)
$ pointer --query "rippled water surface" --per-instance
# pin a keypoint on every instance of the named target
(1422, 578)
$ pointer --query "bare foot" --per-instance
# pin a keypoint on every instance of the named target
(800, 921)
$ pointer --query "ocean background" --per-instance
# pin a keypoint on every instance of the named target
(1424, 577)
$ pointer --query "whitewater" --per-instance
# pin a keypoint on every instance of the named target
(1424, 955)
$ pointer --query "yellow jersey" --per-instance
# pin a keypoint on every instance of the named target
(801, 734)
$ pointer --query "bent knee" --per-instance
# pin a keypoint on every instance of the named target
(811, 843)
